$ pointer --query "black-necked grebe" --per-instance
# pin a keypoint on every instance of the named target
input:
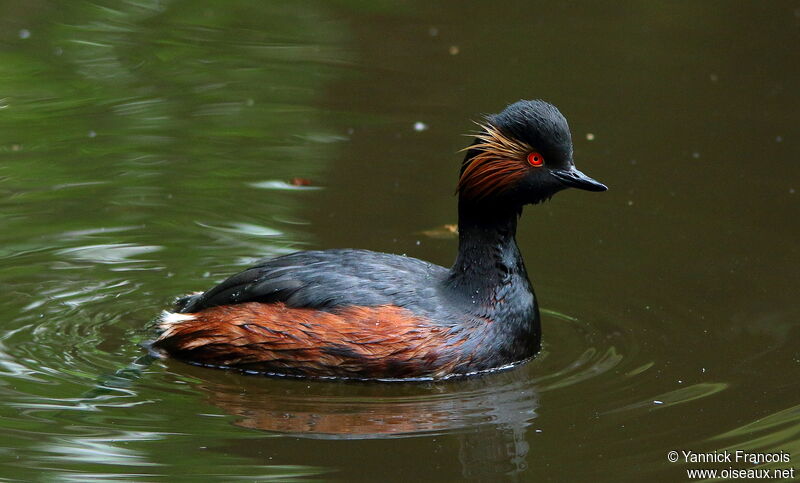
(362, 314)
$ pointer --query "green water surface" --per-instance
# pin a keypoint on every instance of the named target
(147, 149)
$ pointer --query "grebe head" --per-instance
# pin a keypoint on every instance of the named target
(521, 156)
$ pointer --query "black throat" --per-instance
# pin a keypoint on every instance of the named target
(488, 257)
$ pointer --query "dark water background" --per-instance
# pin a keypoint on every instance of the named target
(145, 148)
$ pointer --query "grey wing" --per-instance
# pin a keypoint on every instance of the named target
(326, 279)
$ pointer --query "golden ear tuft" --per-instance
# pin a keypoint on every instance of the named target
(498, 164)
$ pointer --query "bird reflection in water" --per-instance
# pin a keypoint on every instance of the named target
(489, 415)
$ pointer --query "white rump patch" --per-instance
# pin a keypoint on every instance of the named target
(172, 318)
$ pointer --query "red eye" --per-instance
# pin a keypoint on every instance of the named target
(535, 159)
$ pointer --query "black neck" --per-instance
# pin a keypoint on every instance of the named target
(487, 250)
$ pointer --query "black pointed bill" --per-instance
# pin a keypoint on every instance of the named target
(575, 179)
